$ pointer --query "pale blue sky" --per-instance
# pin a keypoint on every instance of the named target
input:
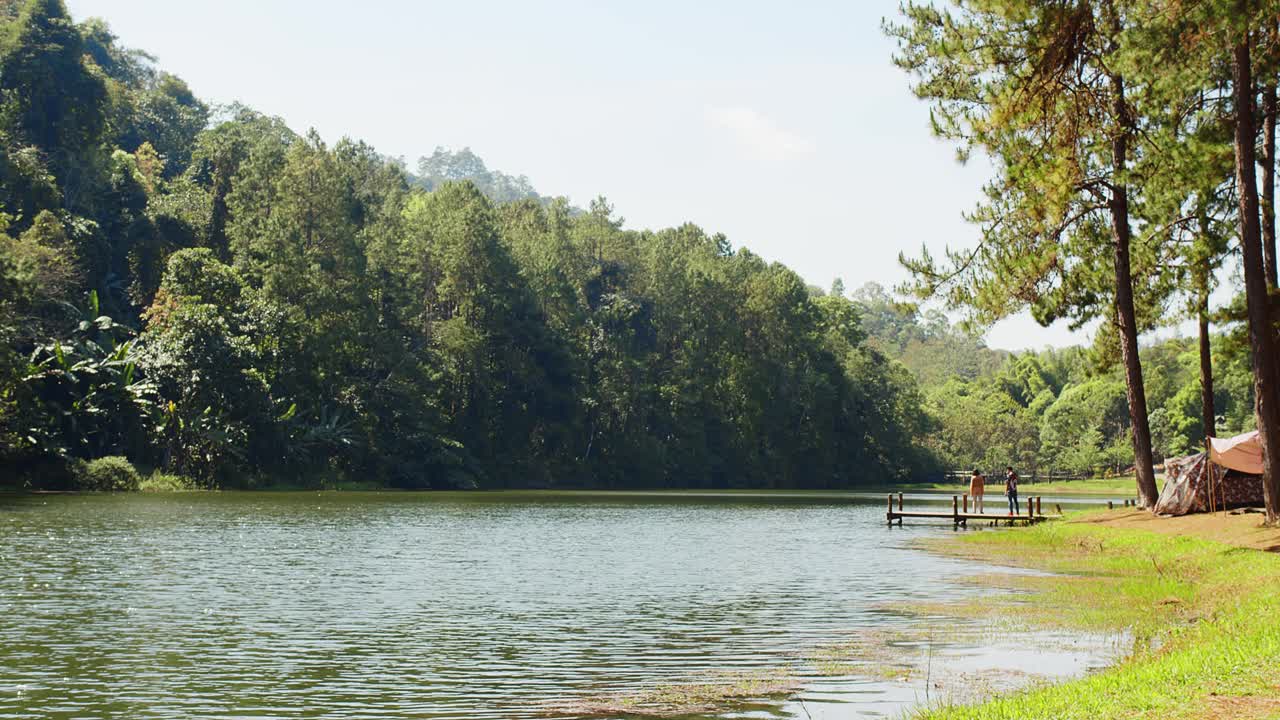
(783, 125)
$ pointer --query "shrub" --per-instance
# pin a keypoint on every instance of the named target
(109, 474)
(166, 482)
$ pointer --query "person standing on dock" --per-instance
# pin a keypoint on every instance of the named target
(977, 486)
(1011, 488)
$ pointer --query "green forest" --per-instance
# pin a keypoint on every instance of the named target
(1057, 410)
(206, 293)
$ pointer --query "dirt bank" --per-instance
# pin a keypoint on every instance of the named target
(1241, 529)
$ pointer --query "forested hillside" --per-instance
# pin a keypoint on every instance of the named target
(212, 294)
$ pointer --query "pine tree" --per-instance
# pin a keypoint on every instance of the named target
(1035, 87)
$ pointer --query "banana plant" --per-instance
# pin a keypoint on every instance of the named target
(315, 437)
(92, 399)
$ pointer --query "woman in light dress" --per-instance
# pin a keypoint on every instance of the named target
(977, 486)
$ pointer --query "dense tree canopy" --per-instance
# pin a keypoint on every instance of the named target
(213, 294)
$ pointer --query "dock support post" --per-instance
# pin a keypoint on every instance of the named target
(889, 515)
(899, 502)
(955, 510)
(1111, 505)
(1039, 507)
(966, 503)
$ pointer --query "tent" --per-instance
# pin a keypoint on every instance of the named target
(1242, 452)
(1231, 469)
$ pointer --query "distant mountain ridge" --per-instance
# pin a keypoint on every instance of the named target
(444, 165)
(927, 343)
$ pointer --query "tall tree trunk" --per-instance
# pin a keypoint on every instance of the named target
(1269, 181)
(1261, 334)
(1125, 315)
(1207, 412)
(1207, 415)
(217, 238)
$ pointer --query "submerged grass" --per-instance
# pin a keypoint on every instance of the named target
(876, 654)
(681, 699)
(1205, 618)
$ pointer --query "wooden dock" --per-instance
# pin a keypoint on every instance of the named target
(960, 515)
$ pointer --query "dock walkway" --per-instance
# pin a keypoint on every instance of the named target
(960, 517)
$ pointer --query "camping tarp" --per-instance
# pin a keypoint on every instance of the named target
(1186, 486)
(1242, 452)
(1185, 490)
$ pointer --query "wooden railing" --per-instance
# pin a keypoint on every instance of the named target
(1033, 477)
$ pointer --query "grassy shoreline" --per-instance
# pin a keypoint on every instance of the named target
(1117, 486)
(1205, 617)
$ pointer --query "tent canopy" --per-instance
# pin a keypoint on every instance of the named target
(1242, 453)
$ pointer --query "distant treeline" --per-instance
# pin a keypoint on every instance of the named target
(1056, 409)
(214, 295)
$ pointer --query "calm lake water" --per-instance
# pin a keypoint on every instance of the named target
(446, 605)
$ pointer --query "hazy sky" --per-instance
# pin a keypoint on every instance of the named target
(783, 125)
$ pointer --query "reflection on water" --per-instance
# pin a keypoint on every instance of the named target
(482, 605)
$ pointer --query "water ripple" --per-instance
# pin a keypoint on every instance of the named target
(386, 605)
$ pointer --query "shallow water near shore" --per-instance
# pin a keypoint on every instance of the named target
(483, 605)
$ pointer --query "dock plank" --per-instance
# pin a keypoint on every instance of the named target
(968, 516)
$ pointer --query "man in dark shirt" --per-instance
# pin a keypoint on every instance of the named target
(1011, 488)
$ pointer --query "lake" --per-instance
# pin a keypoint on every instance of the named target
(459, 605)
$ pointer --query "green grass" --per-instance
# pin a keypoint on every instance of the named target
(1205, 618)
